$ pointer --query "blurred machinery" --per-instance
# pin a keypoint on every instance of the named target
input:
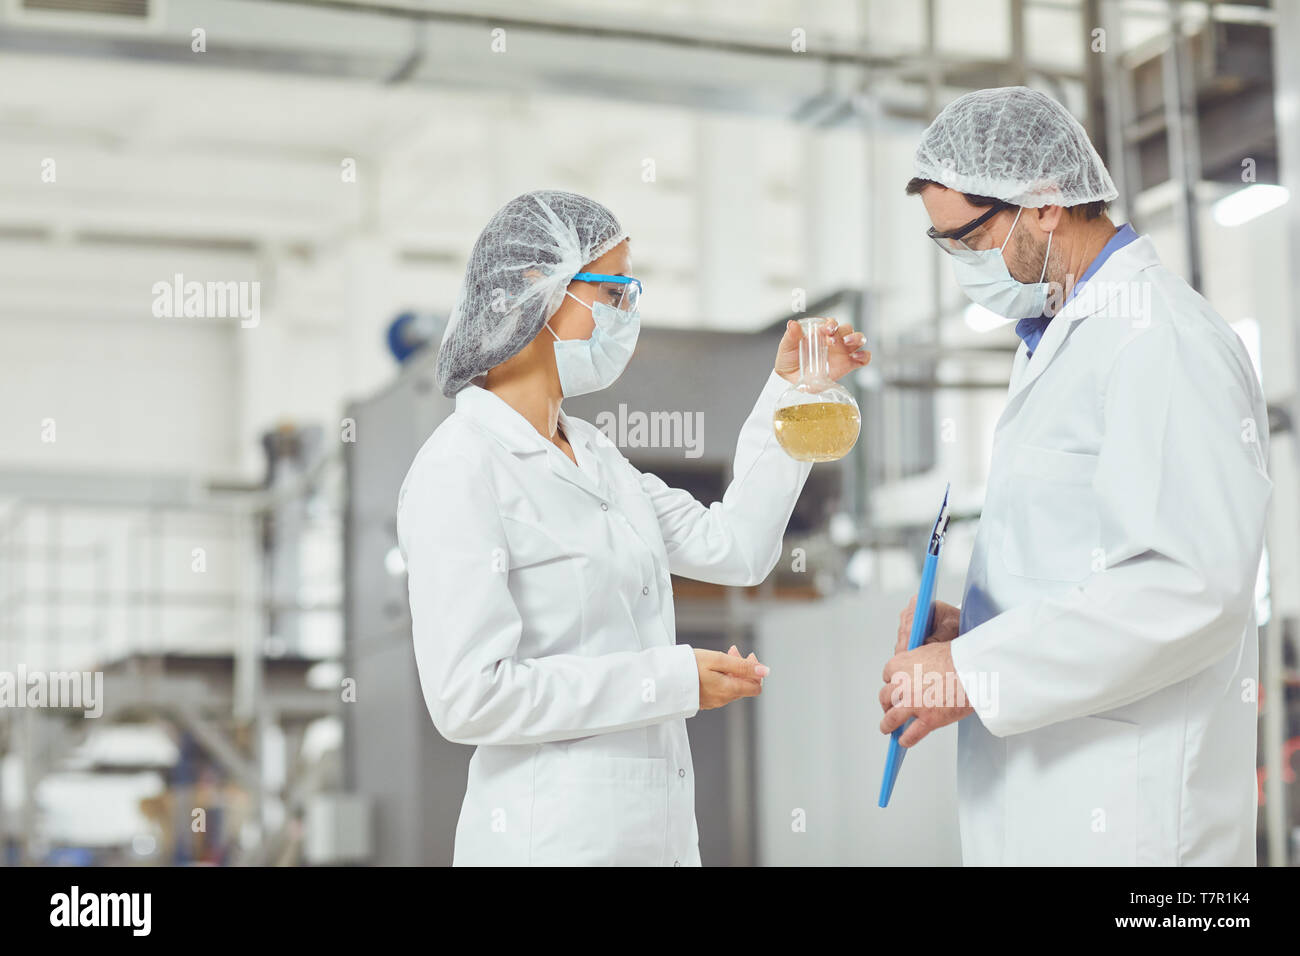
(188, 602)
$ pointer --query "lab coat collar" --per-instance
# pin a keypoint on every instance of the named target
(519, 437)
(1123, 267)
(501, 421)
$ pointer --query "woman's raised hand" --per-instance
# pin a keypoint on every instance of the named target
(844, 350)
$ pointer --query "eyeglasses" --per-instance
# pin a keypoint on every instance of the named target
(951, 240)
(622, 292)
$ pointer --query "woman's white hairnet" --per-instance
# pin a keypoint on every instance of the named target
(518, 270)
(1014, 144)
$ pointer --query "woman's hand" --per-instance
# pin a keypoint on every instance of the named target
(844, 350)
(727, 677)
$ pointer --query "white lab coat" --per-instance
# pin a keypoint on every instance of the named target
(1110, 595)
(544, 633)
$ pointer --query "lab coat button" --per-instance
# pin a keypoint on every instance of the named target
(681, 772)
(675, 863)
(604, 506)
(645, 590)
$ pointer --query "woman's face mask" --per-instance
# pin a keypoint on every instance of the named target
(588, 365)
(984, 277)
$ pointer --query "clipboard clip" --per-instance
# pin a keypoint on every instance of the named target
(940, 524)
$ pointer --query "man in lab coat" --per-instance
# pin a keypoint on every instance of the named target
(1104, 659)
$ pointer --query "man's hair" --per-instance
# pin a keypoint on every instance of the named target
(1089, 210)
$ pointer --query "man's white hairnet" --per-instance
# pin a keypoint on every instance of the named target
(518, 270)
(1014, 144)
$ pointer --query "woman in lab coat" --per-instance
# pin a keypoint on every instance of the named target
(539, 558)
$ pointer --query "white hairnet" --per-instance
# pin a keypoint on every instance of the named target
(1014, 144)
(518, 270)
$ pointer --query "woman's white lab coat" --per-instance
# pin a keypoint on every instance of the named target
(544, 633)
(1109, 610)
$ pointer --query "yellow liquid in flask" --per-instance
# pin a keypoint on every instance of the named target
(817, 431)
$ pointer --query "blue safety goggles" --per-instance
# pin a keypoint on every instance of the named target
(622, 292)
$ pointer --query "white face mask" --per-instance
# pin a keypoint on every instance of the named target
(984, 277)
(588, 365)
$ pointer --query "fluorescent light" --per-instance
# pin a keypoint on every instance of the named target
(1245, 204)
(982, 320)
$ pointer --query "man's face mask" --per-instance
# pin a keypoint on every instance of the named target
(984, 277)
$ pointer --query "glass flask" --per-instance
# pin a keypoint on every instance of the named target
(816, 419)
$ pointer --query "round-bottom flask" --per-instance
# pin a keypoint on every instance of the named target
(816, 419)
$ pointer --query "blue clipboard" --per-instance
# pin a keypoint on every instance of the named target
(922, 625)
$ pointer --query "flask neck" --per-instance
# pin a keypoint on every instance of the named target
(814, 357)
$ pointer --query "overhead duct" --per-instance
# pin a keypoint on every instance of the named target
(707, 67)
(92, 16)
(1231, 74)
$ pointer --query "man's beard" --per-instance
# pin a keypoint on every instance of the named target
(1026, 265)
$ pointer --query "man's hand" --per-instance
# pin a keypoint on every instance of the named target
(947, 619)
(935, 700)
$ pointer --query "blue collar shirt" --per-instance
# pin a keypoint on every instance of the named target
(1031, 330)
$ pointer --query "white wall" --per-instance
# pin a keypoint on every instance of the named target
(820, 753)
